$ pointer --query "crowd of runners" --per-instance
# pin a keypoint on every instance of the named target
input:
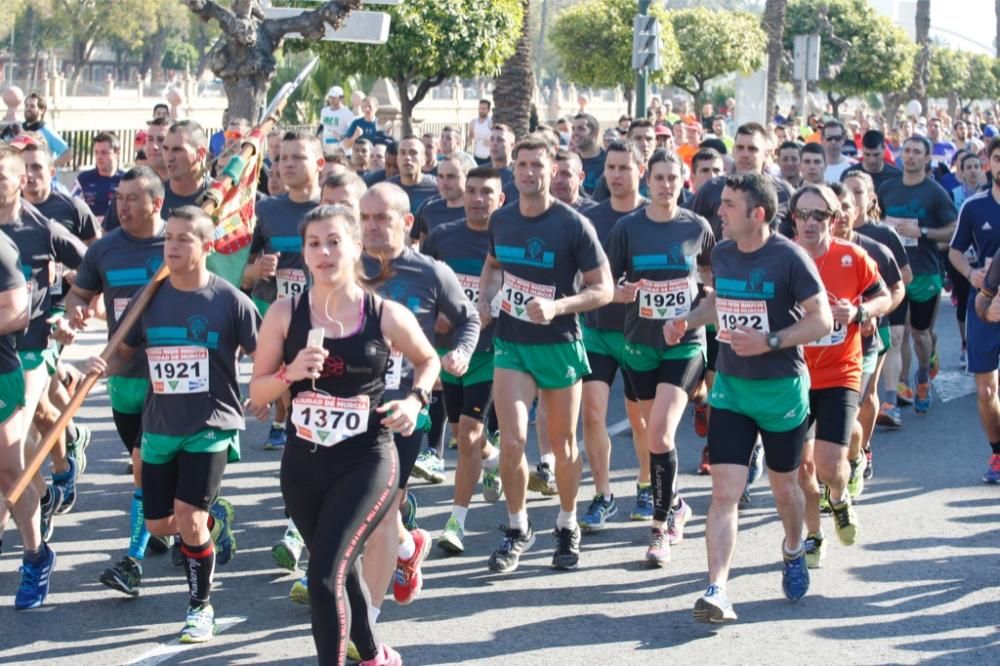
(476, 283)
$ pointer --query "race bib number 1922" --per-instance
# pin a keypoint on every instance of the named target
(735, 313)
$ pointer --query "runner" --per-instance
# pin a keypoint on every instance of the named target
(978, 229)
(586, 133)
(335, 118)
(480, 133)
(462, 245)
(15, 311)
(97, 186)
(339, 482)
(275, 268)
(447, 207)
(536, 250)
(418, 186)
(660, 286)
(923, 215)
(428, 289)
(607, 354)
(117, 267)
(191, 335)
(769, 300)
(834, 138)
(568, 182)
(857, 295)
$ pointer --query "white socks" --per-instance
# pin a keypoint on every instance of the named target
(566, 520)
(407, 548)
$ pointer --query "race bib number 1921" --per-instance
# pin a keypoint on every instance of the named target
(178, 370)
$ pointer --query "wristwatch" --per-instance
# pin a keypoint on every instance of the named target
(923, 232)
(862, 315)
(422, 395)
(774, 342)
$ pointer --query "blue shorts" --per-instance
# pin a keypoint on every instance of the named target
(984, 341)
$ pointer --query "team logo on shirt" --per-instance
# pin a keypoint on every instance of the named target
(197, 328)
(986, 226)
(675, 254)
(535, 248)
(333, 365)
(846, 261)
(755, 282)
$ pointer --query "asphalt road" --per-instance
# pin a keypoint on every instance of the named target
(920, 586)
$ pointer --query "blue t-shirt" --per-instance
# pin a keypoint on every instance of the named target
(368, 128)
(97, 191)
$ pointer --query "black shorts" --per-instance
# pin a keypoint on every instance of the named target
(470, 401)
(711, 347)
(684, 373)
(732, 436)
(603, 369)
(408, 449)
(898, 316)
(193, 478)
(832, 413)
(922, 314)
(129, 427)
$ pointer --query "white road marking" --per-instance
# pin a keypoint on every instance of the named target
(618, 428)
(160, 654)
(953, 384)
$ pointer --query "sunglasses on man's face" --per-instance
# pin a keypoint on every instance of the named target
(816, 214)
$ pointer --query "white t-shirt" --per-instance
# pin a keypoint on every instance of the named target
(335, 123)
(481, 130)
(833, 171)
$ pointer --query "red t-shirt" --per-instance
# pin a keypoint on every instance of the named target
(835, 361)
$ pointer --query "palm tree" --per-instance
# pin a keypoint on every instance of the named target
(516, 83)
(774, 26)
(996, 40)
(922, 72)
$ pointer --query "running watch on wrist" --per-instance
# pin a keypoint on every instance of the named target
(422, 395)
(774, 342)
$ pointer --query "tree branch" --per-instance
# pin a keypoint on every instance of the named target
(425, 86)
(312, 24)
(208, 10)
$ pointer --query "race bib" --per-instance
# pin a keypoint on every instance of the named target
(835, 337)
(57, 279)
(894, 222)
(517, 293)
(325, 420)
(178, 370)
(668, 299)
(394, 370)
(120, 304)
(291, 281)
(735, 313)
(470, 285)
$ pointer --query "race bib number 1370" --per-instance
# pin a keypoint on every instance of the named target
(326, 420)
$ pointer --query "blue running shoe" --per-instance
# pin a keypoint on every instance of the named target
(222, 531)
(49, 506)
(410, 512)
(922, 397)
(276, 439)
(199, 624)
(795, 577)
(600, 509)
(993, 472)
(67, 483)
(756, 463)
(35, 581)
(643, 509)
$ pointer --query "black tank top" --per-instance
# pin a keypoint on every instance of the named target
(356, 365)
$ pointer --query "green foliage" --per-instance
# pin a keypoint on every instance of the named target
(594, 43)
(880, 58)
(431, 40)
(950, 70)
(179, 55)
(983, 81)
(305, 103)
(714, 43)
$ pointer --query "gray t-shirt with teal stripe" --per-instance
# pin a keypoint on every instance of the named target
(611, 317)
(664, 257)
(191, 340)
(277, 230)
(118, 266)
(762, 290)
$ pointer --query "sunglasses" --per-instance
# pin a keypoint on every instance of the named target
(835, 137)
(816, 214)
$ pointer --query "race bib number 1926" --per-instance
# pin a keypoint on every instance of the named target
(667, 299)
(178, 370)
(735, 313)
(326, 420)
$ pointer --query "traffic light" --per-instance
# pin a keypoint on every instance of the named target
(646, 43)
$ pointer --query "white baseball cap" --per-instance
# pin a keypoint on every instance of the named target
(335, 91)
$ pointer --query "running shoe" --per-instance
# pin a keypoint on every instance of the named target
(935, 366)
(222, 531)
(795, 576)
(67, 484)
(276, 439)
(923, 400)
(658, 553)
(643, 509)
(453, 443)
(532, 411)
(299, 593)
(352, 650)
(157, 544)
(452, 537)
(176, 556)
(714, 607)
(701, 419)
(408, 581)
(856, 482)
(814, 550)
(889, 416)
(869, 464)
(824, 499)
(385, 656)
(705, 466)
(745, 501)
(567, 555)
(77, 449)
(286, 553)
(756, 463)
(993, 473)
(904, 395)
(543, 480)
(515, 543)
(429, 467)
(126, 577)
(676, 520)
(492, 485)
(963, 356)
(49, 506)
(199, 624)
(410, 512)
(846, 520)
(35, 578)
(601, 508)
